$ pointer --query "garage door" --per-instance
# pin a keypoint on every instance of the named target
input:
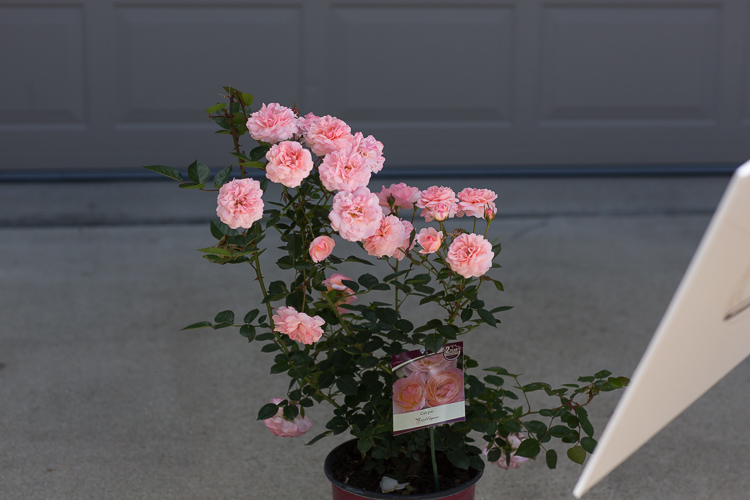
(105, 84)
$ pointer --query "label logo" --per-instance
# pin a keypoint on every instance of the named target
(451, 352)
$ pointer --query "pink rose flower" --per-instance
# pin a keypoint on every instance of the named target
(403, 196)
(344, 170)
(445, 387)
(388, 238)
(514, 440)
(288, 163)
(430, 364)
(240, 203)
(370, 150)
(409, 393)
(334, 282)
(328, 134)
(280, 426)
(304, 122)
(321, 247)
(297, 325)
(470, 255)
(477, 203)
(437, 203)
(430, 240)
(355, 215)
(272, 123)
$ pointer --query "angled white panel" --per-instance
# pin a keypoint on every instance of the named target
(172, 61)
(629, 65)
(440, 64)
(704, 334)
(42, 65)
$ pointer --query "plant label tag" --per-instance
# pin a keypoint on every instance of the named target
(428, 388)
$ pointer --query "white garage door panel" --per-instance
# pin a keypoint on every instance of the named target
(121, 83)
(658, 65)
(42, 67)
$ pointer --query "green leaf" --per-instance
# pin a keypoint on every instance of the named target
(291, 412)
(583, 418)
(494, 454)
(497, 369)
(259, 152)
(351, 284)
(224, 317)
(528, 448)
(216, 107)
(267, 411)
(270, 348)
(501, 309)
(603, 374)
(588, 444)
(219, 230)
(535, 426)
(359, 260)
(221, 177)
(279, 367)
(245, 99)
(248, 331)
(250, 316)
(459, 459)
(494, 380)
(190, 185)
(347, 385)
(367, 280)
(166, 171)
(551, 457)
(198, 172)
(433, 342)
(487, 317)
(559, 431)
(577, 454)
(216, 251)
(277, 287)
(319, 437)
(200, 324)
(364, 445)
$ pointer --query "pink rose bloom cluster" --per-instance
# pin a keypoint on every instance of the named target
(514, 440)
(391, 239)
(326, 134)
(478, 203)
(344, 170)
(240, 203)
(370, 150)
(273, 123)
(288, 163)
(399, 196)
(280, 426)
(355, 215)
(430, 240)
(321, 247)
(438, 203)
(297, 325)
(428, 389)
(470, 255)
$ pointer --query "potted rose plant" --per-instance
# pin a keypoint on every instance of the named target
(337, 337)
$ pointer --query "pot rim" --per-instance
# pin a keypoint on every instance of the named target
(392, 496)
